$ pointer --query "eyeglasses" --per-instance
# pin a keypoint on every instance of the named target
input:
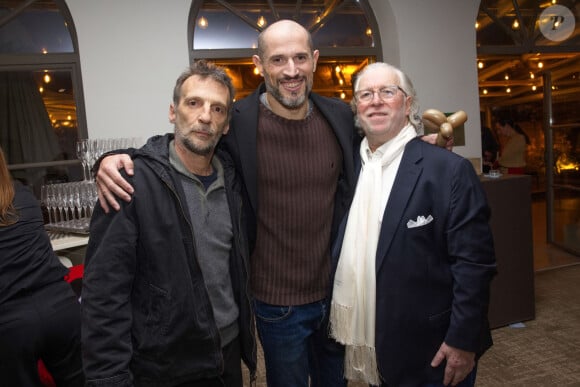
(385, 93)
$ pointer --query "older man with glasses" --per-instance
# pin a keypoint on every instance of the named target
(416, 255)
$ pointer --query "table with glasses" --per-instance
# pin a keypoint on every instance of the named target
(69, 205)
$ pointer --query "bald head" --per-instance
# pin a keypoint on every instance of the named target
(278, 31)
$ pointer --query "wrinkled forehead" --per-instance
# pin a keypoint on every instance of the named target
(206, 88)
(377, 78)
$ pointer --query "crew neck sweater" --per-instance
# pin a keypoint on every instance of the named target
(299, 162)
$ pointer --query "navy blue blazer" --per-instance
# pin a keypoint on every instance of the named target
(432, 281)
(240, 143)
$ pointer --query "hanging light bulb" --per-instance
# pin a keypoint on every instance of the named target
(262, 21)
(202, 23)
(47, 78)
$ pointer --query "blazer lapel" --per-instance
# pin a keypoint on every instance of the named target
(403, 187)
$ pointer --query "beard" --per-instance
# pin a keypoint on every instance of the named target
(289, 103)
(202, 150)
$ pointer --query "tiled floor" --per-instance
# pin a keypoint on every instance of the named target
(546, 256)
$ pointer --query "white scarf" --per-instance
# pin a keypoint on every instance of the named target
(352, 313)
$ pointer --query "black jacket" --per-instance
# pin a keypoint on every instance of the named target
(27, 262)
(241, 143)
(145, 308)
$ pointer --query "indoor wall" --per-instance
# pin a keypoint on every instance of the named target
(132, 51)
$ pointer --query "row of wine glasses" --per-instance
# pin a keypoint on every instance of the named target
(89, 150)
(69, 205)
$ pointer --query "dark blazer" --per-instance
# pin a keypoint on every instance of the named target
(240, 143)
(432, 281)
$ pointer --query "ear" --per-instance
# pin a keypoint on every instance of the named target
(315, 55)
(172, 114)
(226, 130)
(258, 64)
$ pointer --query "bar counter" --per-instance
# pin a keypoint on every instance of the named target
(512, 290)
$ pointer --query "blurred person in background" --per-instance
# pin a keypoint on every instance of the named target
(489, 148)
(39, 312)
(512, 158)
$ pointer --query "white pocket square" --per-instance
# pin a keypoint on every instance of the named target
(421, 221)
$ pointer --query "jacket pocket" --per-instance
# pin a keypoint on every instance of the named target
(156, 322)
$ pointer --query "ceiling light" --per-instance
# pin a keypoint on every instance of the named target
(46, 78)
(202, 23)
(540, 65)
(480, 64)
(516, 25)
(508, 90)
(261, 21)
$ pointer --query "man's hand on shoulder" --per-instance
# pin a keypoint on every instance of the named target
(432, 139)
(110, 184)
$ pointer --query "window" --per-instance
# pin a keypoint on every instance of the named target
(345, 33)
(41, 110)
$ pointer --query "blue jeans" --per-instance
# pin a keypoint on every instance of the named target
(469, 380)
(296, 345)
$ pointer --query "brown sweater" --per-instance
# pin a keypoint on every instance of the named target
(299, 162)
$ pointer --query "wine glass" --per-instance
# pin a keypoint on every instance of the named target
(83, 156)
(44, 196)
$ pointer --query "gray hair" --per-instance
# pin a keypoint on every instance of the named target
(404, 83)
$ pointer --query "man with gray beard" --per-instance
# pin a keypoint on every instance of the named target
(165, 298)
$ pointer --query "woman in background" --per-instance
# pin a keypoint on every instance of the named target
(39, 312)
(512, 159)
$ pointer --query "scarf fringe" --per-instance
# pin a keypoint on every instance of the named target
(360, 361)
(340, 322)
(360, 364)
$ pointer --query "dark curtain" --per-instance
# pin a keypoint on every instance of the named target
(26, 134)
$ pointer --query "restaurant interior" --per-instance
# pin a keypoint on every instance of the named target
(528, 69)
(528, 65)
